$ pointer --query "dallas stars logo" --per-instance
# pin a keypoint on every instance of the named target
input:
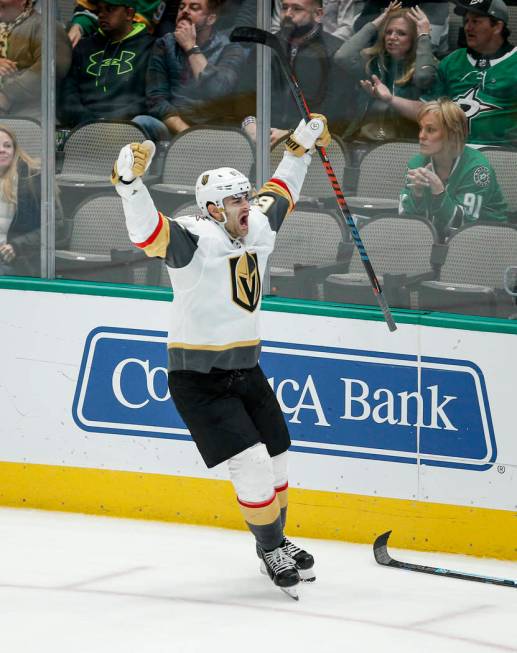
(472, 105)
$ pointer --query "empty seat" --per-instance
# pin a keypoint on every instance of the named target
(28, 133)
(472, 277)
(504, 163)
(99, 247)
(381, 178)
(309, 246)
(316, 188)
(90, 151)
(198, 149)
(401, 250)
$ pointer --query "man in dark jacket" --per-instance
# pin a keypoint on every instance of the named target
(310, 52)
(107, 78)
(194, 71)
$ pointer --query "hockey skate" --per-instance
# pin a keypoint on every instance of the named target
(304, 561)
(281, 569)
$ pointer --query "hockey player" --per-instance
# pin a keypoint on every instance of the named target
(216, 261)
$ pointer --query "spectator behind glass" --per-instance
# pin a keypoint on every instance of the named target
(151, 13)
(310, 51)
(449, 183)
(437, 13)
(192, 73)
(20, 210)
(107, 77)
(337, 17)
(401, 59)
(20, 58)
(479, 78)
(160, 16)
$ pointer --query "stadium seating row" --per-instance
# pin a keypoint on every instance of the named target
(176, 168)
(315, 259)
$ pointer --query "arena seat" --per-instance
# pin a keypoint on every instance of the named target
(28, 133)
(471, 280)
(309, 246)
(99, 247)
(504, 163)
(316, 190)
(381, 178)
(90, 151)
(403, 252)
(195, 150)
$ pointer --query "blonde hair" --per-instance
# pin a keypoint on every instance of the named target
(9, 178)
(378, 50)
(451, 118)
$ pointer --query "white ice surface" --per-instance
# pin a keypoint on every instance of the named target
(82, 584)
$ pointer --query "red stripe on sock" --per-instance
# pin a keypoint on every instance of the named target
(261, 504)
(282, 487)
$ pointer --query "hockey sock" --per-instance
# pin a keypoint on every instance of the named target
(251, 472)
(264, 521)
(281, 485)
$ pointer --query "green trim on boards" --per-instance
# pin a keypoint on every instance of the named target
(269, 303)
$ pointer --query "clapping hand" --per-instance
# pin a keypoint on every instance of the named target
(421, 178)
(7, 253)
(377, 89)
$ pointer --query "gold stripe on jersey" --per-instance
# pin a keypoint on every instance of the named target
(261, 516)
(272, 187)
(230, 345)
(158, 247)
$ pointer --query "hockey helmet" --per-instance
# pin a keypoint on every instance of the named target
(212, 186)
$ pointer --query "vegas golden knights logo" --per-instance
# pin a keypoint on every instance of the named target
(245, 278)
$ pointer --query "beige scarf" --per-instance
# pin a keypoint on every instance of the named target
(7, 28)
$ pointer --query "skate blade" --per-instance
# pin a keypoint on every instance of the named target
(292, 592)
(307, 575)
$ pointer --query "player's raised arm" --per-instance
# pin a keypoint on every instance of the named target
(147, 227)
(288, 178)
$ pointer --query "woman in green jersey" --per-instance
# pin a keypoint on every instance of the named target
(449, 182)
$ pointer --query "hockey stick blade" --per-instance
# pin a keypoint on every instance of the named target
(380, 551)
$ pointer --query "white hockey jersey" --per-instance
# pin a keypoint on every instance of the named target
(216, 279)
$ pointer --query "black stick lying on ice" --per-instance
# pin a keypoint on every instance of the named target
(255, 35)
(380, 551)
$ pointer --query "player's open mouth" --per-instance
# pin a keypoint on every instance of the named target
(243, 221)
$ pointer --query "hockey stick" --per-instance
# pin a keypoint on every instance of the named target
(380, 551)
(255, 35)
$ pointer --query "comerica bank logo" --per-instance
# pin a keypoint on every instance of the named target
(338, 402)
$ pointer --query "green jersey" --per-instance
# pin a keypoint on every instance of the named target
(471, 193)
(487, 94)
